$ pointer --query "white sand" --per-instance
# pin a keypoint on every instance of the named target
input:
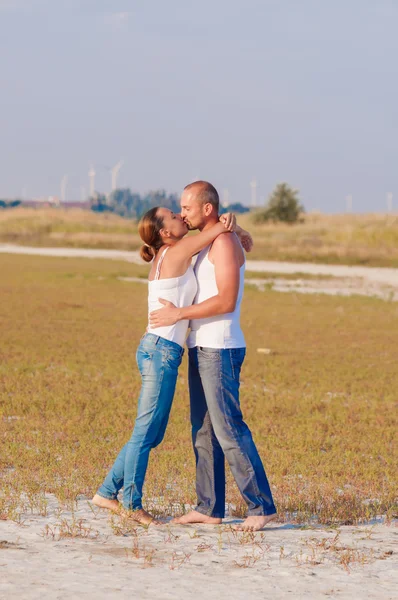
(333, 287)
(336, 286)
(387, 276)
(193, 562)
(133, 257)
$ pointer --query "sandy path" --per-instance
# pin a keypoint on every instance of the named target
(187, 562)
(126, 255)
(384, 275)
(348, 280)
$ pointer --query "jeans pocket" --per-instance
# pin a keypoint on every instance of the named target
(144, 360)
(236, 357)
(212, 353)
(172, 356)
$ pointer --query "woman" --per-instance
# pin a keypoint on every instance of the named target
(160, 351)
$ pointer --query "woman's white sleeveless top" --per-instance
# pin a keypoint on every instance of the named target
(180, 291)
(222, 331)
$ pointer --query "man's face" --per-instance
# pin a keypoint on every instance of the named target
(192, 210)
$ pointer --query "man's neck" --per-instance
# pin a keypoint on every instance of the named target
(210, 223)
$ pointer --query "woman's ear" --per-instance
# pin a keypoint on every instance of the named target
(164, 233)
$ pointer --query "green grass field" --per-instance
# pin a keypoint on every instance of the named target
(322, 405)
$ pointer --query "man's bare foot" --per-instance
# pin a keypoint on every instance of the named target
(101, 502)
(141, 516)
(196, 517)
(254, 523)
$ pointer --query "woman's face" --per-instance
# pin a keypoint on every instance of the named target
(173, 224)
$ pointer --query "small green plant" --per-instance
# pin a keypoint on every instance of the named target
(203, 547)
(76, 528)
(283, 205)
(178, 559)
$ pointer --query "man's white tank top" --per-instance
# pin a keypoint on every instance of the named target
(178, 290)
(222, 331)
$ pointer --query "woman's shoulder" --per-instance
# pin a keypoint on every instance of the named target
(155, 262)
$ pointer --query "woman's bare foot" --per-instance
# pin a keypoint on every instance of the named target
(196, 517)
(101, 502)
(254, 523)
(141, 516)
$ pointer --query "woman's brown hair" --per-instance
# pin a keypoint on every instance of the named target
(149, 229)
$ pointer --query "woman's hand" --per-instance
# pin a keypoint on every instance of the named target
(229, 221)
(245, 238)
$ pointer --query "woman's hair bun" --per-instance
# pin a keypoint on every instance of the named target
(147, 253)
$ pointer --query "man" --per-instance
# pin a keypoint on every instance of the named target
(216, 353)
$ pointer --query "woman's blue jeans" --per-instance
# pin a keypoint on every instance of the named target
(158, 360)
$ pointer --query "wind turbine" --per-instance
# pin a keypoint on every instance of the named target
(253, 185)
(64, 183)
(114, 173)
(91, 176)
(225, 197)
(389, 201)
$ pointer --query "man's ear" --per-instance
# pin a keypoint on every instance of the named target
(207, 209)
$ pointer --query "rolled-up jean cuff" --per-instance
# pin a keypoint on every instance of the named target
(261, 511)
(106, 496)
(202, 511)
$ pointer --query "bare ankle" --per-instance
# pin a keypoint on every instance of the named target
(108, 503)
(196, 517)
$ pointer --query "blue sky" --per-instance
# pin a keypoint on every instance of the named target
(225, 90)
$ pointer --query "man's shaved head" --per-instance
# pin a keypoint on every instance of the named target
(204, 193)
(199, 204)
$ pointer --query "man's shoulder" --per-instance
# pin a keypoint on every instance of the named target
(224, 247)
(224, 241)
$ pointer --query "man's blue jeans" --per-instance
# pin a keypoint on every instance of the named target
(158, 361)
(218, 431)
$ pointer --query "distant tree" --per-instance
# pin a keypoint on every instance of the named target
(127, 204)
(99, 204)
(14, 203)
(9, 203)
(283, 205)
(160, 198)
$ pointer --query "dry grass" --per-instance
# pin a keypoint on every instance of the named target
(369, 239)
(322, 405)
(67, 228)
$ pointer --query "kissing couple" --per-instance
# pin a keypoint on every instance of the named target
(207, 299)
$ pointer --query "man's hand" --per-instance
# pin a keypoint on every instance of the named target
(169, 315)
